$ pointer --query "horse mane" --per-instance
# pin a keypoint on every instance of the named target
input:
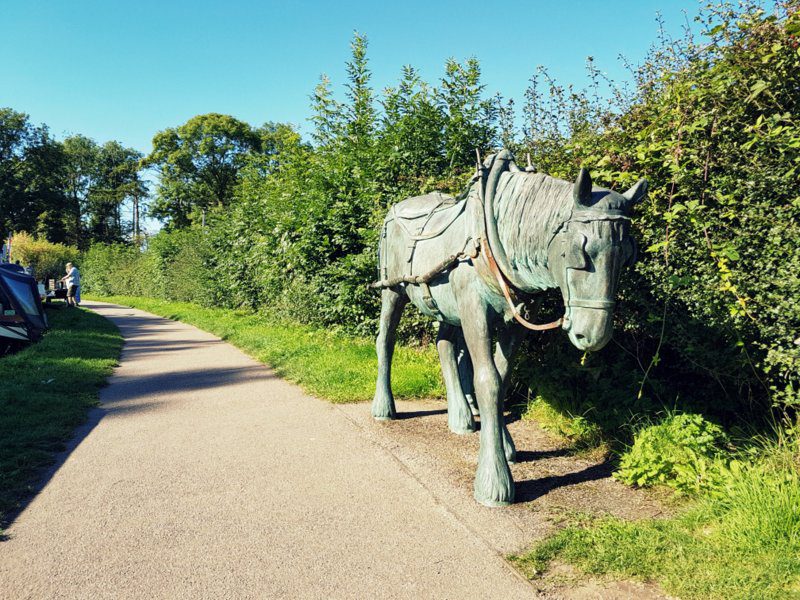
(529, 208)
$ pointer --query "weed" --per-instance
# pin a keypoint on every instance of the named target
(680, 452)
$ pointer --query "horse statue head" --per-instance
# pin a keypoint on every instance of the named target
(587, 255)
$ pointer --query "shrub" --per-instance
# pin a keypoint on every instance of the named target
(175, 266)
(46, 258)
(679, 452)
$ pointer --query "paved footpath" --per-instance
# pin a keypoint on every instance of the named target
(202, 475)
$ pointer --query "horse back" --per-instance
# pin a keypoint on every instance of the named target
(421, 232)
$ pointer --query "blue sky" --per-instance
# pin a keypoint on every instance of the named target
(126, 69)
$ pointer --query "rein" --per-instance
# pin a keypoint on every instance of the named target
(501, 281)
(505, 286)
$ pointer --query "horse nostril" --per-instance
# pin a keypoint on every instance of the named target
(580, 336)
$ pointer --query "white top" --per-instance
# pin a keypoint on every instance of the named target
(74, 277)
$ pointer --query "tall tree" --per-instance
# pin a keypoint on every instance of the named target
(198, 165)
(31, 165)
(98, 180)
(81, 174)
(116, 180)
(360, 109)
(471, 119)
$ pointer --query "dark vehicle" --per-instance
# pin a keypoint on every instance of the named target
(22, 318)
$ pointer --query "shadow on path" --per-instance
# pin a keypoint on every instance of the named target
(531, 489)
(524, 456)
(420, 413)
(123, 389)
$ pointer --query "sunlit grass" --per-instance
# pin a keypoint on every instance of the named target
(579, 431)
(741, 540)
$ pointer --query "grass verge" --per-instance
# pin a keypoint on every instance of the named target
(46, 392)
(327, 364)
(740, 540)
(582, 434)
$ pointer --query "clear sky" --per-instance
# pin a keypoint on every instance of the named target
(124, 69)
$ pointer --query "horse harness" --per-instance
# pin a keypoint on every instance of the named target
(456, 208)
(470, 251)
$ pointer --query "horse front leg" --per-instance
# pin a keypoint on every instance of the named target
(392, 304)
(508, 342)
(494, 485)
(459, 415)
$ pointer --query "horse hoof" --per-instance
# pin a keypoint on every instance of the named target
(459, 431)
(495, 503)
(383, 418)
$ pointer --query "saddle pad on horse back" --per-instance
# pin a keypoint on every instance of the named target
(424, 217)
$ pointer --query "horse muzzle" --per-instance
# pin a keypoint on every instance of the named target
(589, 323)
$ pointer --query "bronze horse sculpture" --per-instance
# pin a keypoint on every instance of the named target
(468, 261)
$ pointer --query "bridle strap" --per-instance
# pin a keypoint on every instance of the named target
(598, 304)
(501, 281)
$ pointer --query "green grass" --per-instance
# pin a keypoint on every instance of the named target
(740, 542)
(45, 393)
(329, 365)
(579, 431)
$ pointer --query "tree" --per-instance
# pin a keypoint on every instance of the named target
(116, 179)
(411, 141)
(360, 109)
(198, 165)
(98, 180)
(81, 170)
(31, 168)
(471, 119)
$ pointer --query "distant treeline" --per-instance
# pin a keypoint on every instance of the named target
(71, 191)
(710, 316)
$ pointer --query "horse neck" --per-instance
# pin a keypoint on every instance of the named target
(529, 209)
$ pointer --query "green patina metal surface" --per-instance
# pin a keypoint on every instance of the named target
(543, 233)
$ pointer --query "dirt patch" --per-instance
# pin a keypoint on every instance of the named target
(550, 481)
(564, 581)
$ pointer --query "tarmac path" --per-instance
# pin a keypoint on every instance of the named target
(203, 475)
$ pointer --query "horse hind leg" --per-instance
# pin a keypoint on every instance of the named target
(459, 416)
(508, 342)
(466, 373)
(392, 304)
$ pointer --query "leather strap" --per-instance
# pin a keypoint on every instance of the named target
(501, 281)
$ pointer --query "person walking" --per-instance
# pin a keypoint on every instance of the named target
(73, 281)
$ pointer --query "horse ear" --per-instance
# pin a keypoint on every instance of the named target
(636, 193)
(582, 192)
